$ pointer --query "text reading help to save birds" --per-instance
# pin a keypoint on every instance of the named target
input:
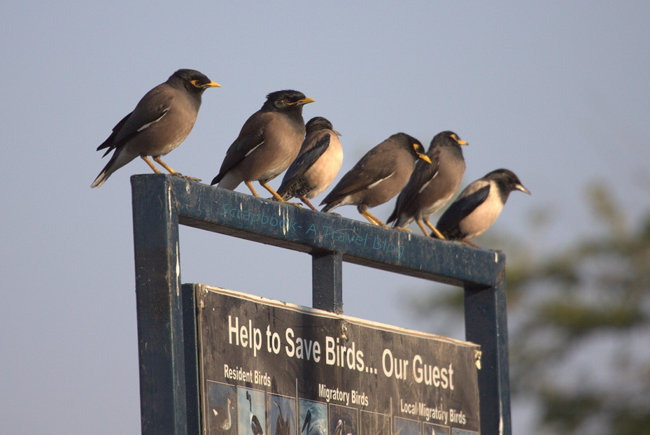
(334, 353)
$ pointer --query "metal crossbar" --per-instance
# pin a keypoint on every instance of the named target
(168, 383)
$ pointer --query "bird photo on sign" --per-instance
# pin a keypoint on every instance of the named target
(251, 416)
(343, 420)
(313, 417)
(221, 405)
(282, 412)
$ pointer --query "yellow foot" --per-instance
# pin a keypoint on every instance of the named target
(373, 219)
(434, 230)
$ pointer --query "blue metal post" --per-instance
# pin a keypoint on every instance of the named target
(163, 388)
(486, 324)
(327, 282)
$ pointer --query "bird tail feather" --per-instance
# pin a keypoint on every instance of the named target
(230, 181)
(119, 159)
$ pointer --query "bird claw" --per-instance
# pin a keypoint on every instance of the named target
(186, 177)
(297, 204)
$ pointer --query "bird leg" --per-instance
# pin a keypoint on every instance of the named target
(272, 192)
(434, 229)
(424, 230)
(171, 171)
(373, 219)
(164, 165)
(148, 162)
(309, 204)
(276, 196)
(250, 186)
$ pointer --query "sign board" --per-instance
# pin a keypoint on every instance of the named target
(268, 367)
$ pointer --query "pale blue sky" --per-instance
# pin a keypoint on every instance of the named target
(556, 91)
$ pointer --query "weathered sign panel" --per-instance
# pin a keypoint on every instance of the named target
(271, 367)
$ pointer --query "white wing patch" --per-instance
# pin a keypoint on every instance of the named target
(424, 186)
(370, 186)
(149, 124)
(254, 148)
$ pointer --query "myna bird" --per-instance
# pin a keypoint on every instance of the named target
(431, 186)
(267, 144)
(378, 176)
(159, 123)
(317, 164)
(478, 205)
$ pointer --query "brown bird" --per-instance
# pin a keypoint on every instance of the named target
(267, 144)
(431, 186)
(378, 176)
(159, 123)
(317, 164)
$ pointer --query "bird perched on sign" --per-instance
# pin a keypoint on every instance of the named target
(378, 176)
(267, 144)
(478, 206)
(317, 164)
(159, 123)
(431, 186)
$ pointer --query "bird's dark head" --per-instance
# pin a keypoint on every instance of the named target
(506, 180)
(286, 100)
(318, 123)
(412, 144)
(192, 80)
(446, 138)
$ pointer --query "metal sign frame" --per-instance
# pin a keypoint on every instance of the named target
(168, 379)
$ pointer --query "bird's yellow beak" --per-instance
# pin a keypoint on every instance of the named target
(425, 158)
(458, 140)
(211, 84)
(298, 102)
